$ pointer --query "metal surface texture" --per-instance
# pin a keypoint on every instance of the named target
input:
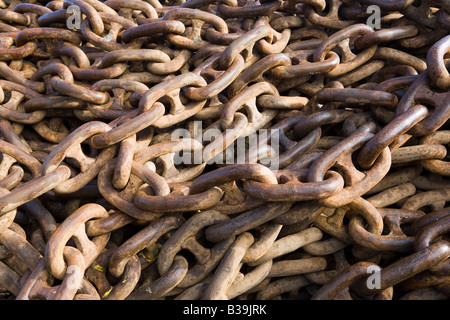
(224, 150)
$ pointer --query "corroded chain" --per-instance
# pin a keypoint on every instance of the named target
(224, 150)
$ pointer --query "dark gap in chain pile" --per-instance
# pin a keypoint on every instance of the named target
(246, 150)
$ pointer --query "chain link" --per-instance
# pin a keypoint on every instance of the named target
(224, 150)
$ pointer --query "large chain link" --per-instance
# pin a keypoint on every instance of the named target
(277, 149)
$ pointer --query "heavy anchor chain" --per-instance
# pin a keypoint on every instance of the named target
(219, 150)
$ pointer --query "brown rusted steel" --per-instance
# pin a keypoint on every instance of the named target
(97, 274)
(74, 226)
(144, 239)
(243, 150)
(343, 280)
(185, 238)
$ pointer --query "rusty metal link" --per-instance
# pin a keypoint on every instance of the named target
(291, 149)
(39, 284)
(224, 150)
(395, 240)
(140, 241)
(421, 92)
(63, 82)
(410, 266)
(427, 234)
(74, 226)
(247, 99)
(331, 18)
(291, 188)
(97, 274)
(349, 61)
(343, 280)
(358, 182)
(440, 137)
(186, 238)
(71, 146)
(389, 134)
(191, 39)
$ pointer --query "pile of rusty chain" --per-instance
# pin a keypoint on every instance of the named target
(122, 174)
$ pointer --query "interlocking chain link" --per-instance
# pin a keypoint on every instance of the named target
(210, 150)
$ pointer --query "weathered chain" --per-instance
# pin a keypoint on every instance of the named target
(204, 149)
